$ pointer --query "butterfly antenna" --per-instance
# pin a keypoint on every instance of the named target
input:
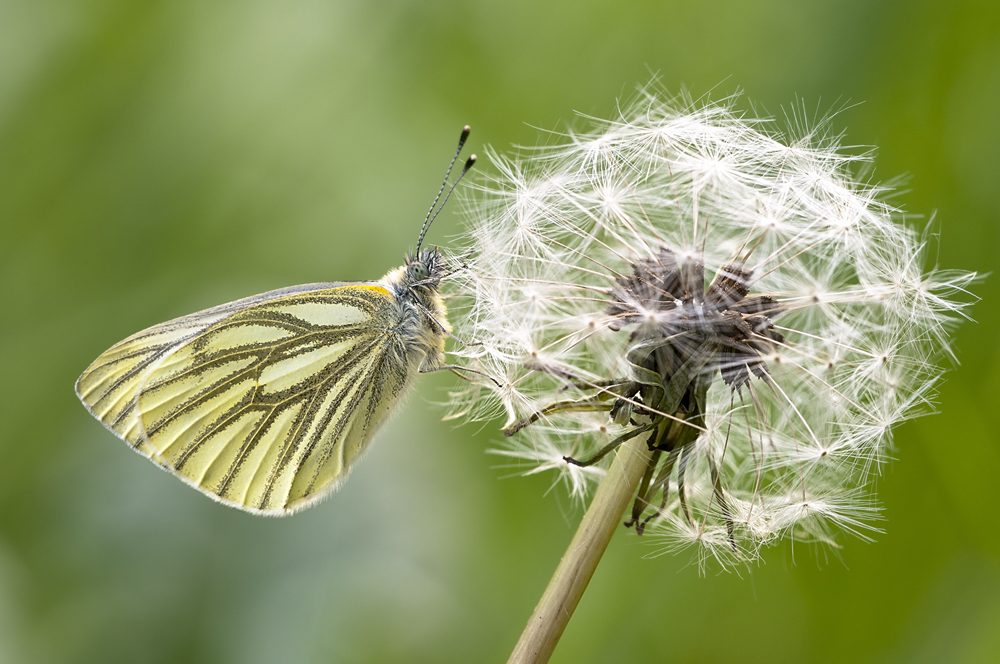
(431, 214)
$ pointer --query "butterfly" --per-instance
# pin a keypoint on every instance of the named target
(266, 403)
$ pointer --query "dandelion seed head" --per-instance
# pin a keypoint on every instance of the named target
(681, 240)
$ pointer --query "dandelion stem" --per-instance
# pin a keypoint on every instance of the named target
(584, 553)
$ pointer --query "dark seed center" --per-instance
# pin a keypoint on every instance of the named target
(674, 316)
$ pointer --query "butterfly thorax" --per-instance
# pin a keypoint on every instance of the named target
(423, 317)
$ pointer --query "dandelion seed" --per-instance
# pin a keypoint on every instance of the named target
(737, 299)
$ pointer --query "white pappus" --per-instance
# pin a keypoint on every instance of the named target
(741, 299)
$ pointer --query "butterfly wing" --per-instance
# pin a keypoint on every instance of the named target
(264, 403)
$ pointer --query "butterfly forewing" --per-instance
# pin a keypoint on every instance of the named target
(264, 403)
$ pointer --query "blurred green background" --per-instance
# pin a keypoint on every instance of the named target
(157, 158)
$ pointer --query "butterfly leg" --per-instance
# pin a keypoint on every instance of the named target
(596, 403)
(454, 368)
(467, 344)
(610, 447)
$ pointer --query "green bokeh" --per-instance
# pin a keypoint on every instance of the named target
(160, 157)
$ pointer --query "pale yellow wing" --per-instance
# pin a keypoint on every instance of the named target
(264, 403)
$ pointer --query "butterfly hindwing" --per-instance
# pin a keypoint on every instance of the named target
(264, 403)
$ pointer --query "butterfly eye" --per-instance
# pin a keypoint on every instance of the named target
(419, 271)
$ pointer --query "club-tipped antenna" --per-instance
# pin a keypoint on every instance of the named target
(431, 214)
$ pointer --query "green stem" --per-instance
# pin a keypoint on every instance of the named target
(584, 553)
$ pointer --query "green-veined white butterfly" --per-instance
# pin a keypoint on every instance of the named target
(267, 402)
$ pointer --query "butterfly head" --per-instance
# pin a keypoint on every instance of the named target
(424, 320)
(424, 270)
